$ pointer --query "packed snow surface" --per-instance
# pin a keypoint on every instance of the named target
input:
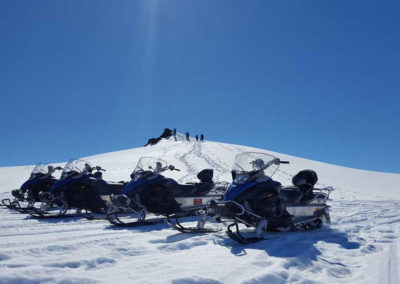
(360, 246)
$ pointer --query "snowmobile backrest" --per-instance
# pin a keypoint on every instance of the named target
(98, 174)
(305, 179)
(206, 175)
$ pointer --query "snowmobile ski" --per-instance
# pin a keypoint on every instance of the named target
(193, 230)
(113, 219)
(237, 236)
(38, 215)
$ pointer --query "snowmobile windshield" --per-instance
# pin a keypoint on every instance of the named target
(150, 164)
(75, 165)
(249, 163)
(40, 169)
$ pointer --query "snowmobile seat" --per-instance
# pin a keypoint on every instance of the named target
(291, 195)
(190, 190)
(205, 175)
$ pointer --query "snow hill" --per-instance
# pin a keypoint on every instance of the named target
(360, 246)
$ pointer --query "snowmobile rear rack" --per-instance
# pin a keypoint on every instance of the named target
(325, 190)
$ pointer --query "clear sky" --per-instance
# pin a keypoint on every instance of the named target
(316, 79)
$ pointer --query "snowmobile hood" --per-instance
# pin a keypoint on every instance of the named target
(60, 183)
(135, 184)
(33, 181)
(234, 190)
(71, 179)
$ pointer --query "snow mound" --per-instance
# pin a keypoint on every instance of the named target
(360, 246)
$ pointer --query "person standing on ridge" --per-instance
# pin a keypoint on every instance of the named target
(201, 137)
(197, 137)
(187, 136)
(175, 133)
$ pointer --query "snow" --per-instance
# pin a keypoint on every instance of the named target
(360, 246)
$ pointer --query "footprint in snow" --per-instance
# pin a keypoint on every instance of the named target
(99, 262)
(193, 280)
(181, 246)
(4, 257)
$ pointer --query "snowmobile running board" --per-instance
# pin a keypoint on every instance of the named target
(191, 230)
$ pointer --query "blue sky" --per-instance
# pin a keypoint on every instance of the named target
(315, 79)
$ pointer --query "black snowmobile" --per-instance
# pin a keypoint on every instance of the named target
(151, 192)
(80, 191)
(257, 201)
(41, 179)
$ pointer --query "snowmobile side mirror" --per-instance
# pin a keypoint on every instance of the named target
(172, 168)
(98, 168)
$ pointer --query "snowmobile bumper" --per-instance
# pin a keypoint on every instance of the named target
(6, 202)
(16, 205)
(51, 204)
(13, 204)
(231, 210)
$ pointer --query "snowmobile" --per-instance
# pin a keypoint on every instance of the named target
(41, 179)
(77, 193)
(150, 192)
(256, 200)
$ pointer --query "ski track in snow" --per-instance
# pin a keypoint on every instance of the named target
(360, 246)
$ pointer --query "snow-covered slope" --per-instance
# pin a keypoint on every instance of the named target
(361, 244)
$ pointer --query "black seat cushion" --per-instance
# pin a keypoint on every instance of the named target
(206, 175)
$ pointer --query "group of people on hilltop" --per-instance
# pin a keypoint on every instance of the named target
(168, 133)
(201, 139)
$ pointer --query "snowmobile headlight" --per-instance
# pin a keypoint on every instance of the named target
(135, 176)
(241, 178)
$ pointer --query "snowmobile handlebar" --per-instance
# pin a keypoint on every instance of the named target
(284, 162)
(98, 168)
